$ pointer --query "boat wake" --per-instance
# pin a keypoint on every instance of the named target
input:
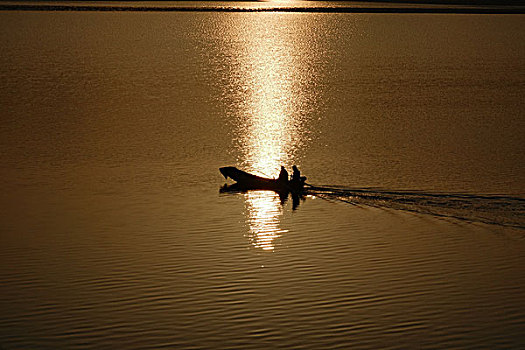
(489, 209)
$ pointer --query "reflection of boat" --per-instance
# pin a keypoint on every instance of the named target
(247, 181)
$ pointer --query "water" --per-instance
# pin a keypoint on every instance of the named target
(114, 233)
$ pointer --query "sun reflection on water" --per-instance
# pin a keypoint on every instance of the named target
(270, 128)
(269, 123)
(263, 212)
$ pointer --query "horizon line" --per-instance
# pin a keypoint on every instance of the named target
(315, 9)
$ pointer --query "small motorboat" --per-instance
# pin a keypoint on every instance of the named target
(246, 181)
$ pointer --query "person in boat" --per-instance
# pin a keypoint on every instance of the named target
(296, 176)
(283, 175)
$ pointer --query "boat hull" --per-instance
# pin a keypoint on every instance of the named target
(247, 181)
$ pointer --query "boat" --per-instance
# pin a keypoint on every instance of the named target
(246, 181)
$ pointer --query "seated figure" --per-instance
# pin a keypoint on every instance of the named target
(283, 175)
(296, 176)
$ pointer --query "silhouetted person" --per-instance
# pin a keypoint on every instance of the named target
(283, 175)
(296, 175)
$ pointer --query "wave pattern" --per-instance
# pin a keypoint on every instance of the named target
(489, 209)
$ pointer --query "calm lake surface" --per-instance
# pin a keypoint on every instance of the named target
(114, 234)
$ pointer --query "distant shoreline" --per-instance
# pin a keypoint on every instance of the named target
(233, 8)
